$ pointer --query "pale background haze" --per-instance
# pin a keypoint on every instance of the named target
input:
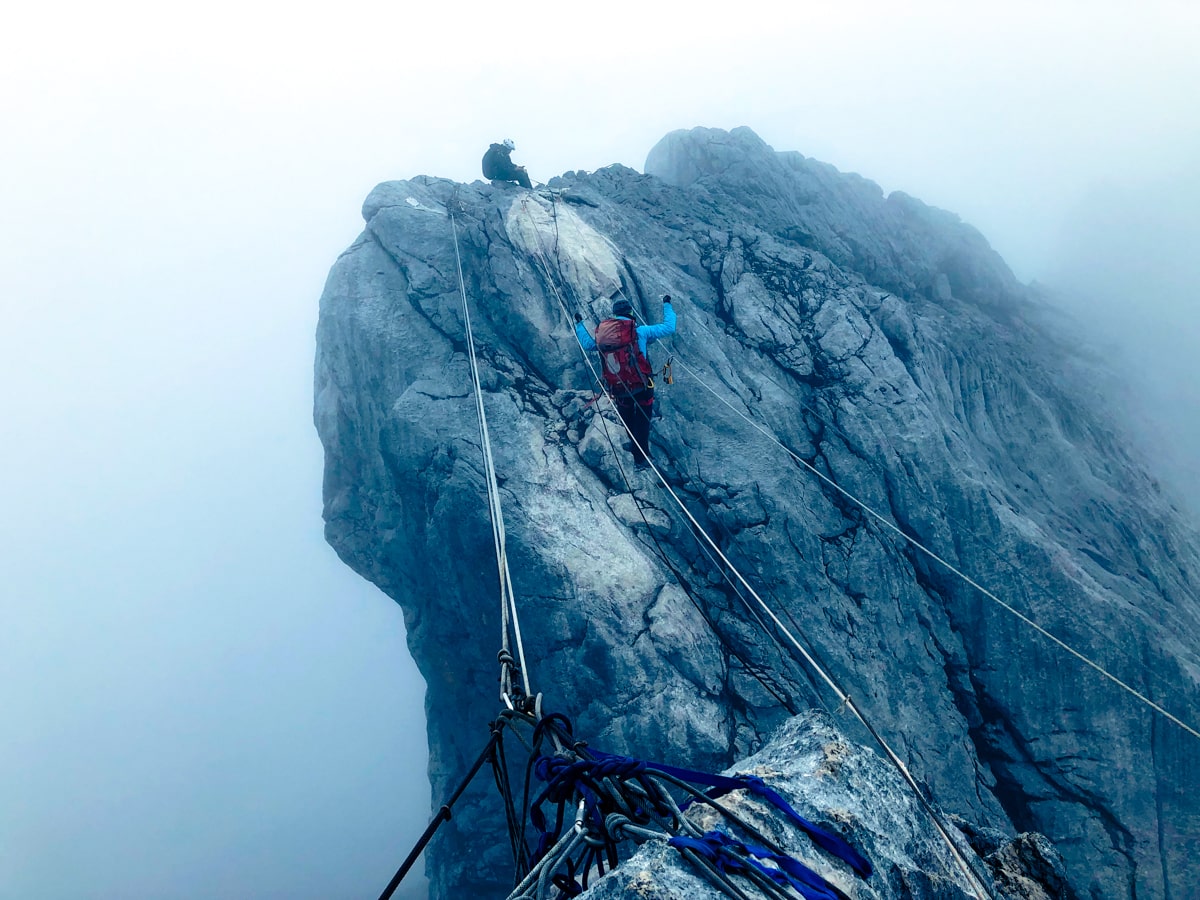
(198, 700)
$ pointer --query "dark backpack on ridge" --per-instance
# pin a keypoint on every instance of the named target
(497, 163)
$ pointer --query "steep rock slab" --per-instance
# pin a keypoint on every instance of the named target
(906, 365)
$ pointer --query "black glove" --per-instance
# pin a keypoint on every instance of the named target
(666, 298)
(578, 317)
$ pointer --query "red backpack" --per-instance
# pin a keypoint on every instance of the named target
(625, 368)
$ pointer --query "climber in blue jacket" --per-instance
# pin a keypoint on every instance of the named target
(628, 377)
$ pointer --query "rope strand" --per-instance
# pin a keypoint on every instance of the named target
(977, 887)
(508, 602)
(941, 561)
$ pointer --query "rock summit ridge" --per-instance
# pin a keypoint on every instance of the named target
(885, 344)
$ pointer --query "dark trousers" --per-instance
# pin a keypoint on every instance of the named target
(507, 171)
(635, 411)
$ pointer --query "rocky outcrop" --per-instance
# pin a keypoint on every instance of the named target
(885, 345)
(843, 788)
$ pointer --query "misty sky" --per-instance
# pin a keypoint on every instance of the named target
(198, 699)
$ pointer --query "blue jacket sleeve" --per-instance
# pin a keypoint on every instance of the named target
(648, 334)
(585, 339)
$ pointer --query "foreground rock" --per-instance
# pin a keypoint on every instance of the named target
(849, 791)
(886, 346)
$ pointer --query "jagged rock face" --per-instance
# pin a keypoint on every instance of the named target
(886, 345)
(841, 787)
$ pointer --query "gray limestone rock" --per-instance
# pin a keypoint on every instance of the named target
(828, 335)
(852, 792)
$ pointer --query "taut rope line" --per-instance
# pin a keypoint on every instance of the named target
(977, 886)
(508, 602)
(943, 562)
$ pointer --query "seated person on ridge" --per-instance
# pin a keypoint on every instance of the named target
(498, 165)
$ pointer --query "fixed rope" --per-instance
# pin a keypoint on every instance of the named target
(708, 850)
(845, 701)
(567, 844)
(551, 282)
(508, 601)
(918, 545)
(950, 567)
